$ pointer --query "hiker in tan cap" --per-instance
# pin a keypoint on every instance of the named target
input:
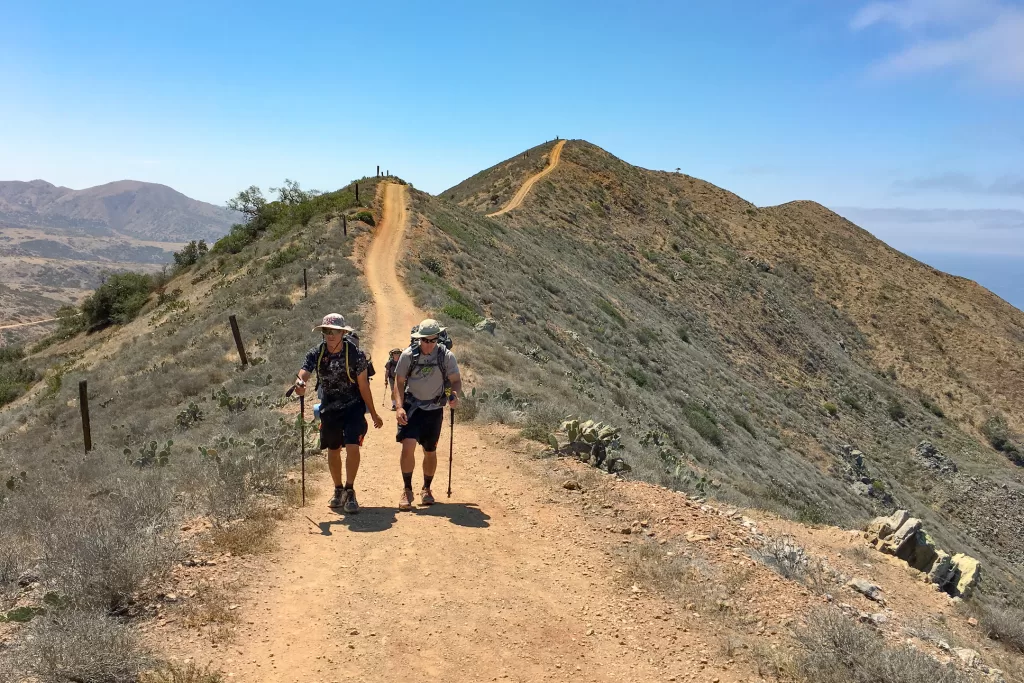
(343, 388)
(427, 379)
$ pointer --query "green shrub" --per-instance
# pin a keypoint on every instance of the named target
(190, 254)
(852, 401)
(608, 309)
(285, 256)
(645, 335)
(433, 264)
(703, 422)
(118, 300)
(364, 216)
(461, 312)
(831, 408)
(638, 376)
(932, 407)
(996, 431)
(15, 377)
(895, 410)
(743, 421)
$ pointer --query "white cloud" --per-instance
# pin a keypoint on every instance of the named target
(983, 38)
(911, 14)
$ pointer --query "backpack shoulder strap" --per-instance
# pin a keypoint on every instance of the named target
(319, 359)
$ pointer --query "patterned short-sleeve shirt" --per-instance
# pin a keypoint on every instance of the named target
(335, 386)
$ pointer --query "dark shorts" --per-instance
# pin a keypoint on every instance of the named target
(346, 429)
(424, 426)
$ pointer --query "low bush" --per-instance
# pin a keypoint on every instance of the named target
(837, 650)
(1005, 624)
(703, 422)
(895, 410)
(80, 646)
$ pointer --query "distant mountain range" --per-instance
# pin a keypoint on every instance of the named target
(127, 207)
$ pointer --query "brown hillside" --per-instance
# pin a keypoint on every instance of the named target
(714, 334)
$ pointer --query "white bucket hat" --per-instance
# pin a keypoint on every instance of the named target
(334, 321)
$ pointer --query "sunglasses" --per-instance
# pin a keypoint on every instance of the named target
(428, 340)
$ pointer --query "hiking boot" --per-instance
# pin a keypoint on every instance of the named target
(405, 502)
(351, 504)
(338, 500)
(426, 497)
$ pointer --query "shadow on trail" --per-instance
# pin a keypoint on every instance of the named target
(463, 514)
(368, 519)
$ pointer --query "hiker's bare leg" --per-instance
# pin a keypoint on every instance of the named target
(408, 462)
(429, 463)
(351, 463)
(334, 463)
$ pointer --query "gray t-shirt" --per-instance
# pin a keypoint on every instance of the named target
(426, 383)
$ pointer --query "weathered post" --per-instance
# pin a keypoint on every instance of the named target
(344, 225)
(357, 193)
(378, 170)
(305, 284)
(83, 401)
(238, 341)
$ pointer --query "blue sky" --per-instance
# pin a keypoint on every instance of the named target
(915, 105)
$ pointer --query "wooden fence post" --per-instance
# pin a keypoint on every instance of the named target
(238, 341)
(83, 401)
(378, 170)
(344, 225)
(305, 284)
(357, 193)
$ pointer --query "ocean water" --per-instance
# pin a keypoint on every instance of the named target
(1002, 275)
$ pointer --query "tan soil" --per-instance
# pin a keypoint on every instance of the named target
(556, 154)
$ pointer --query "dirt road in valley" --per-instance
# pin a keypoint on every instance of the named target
(556, 154)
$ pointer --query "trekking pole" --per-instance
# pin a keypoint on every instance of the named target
(451, 451)
(302, 437)
(302, 428)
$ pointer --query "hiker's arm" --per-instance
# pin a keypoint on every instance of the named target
(363, 382)
(300, 389)
(399, 400)
(456, 382)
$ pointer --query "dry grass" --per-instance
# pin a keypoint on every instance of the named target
(248, 536)
(836, 649)
(695, 583)
(181, 673)
(210, 611)
(79, 646)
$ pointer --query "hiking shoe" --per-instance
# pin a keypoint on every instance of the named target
(351, 504)
(426, 497)
(405, 502)
(339, 498)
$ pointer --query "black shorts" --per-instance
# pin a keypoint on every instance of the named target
(424, 426)
(349, 428)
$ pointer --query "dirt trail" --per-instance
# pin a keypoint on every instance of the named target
(556, 154)
(503, 581)
(34, 322)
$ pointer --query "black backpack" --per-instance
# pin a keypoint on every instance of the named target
(349, 345)
(445, 343)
